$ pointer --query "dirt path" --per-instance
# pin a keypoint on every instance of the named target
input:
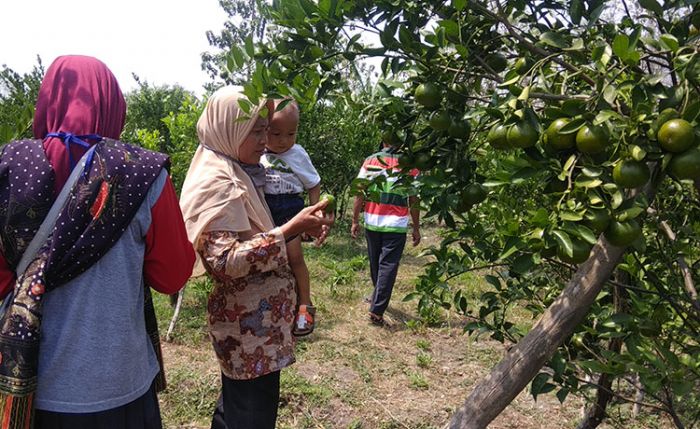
(349, 373)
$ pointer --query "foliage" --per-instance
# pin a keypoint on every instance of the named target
(18, 94)
(338, 138)
(609, 69)
(244, 26)
(147, 106)
(164, 119)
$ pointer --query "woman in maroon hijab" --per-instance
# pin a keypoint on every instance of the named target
(74, 348)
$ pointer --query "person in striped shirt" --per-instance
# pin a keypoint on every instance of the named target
(387, 206)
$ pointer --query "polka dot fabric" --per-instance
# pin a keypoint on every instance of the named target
(98, 210)
(26, 195)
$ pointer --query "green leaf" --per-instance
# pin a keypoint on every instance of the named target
(494, 281)
(554, 39)
(652, 5)
(512, 245)
(564, 242)
(523, 263)
(538, 384)
(585, 233)
(562, 394)
(573, 126)
(670, 42)
(588, 183)
(576, 11)
(459, 4)
(249, 47)
(604, 116)
(238, 57)
(593, 17)
(630, 213)
(638, 153)
(569, 163)
(245, 105)
(610, 94)
(411, 296)
(570, 216)
(620, 46)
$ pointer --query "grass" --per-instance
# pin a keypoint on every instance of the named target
(350, 374)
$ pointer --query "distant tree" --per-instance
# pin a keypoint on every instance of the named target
(18, 93)
(245, 23)
(147, 106)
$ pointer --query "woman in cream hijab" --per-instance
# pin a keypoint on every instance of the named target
(251, 308)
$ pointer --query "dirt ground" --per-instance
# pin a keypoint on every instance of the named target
(351, 374)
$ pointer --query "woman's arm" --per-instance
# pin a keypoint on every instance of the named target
(169, 256)
(227, 256)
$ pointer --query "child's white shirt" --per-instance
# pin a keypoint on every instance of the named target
(289, 172)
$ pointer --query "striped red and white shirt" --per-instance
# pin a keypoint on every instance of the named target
(387, 208)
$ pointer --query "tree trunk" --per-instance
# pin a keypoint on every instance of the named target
(525, 359)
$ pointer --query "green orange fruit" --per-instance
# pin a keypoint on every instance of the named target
(330, 207)
(676, 135)
(522, 134)
(597, 219)
(630, 173)
(622, 234)
(581, 251)
(428, 94)
(440, 120)
(592, 139)
(390, 137)
(497, 62)
(459, 129)
(423, 161)
(559, 141)
(686, 165)
(473, 194)
(497, 137)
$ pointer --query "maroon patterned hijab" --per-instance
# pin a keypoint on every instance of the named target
(78, 95)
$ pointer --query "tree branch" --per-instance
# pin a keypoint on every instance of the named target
(531, 47)
(685, 270)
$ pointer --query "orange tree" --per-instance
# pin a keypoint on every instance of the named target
(558, 144)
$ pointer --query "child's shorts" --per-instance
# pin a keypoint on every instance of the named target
(284, 206)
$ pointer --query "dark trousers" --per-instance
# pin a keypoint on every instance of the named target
(248, 404)
(384, 249)
(142, 413)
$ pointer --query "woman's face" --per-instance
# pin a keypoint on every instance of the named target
(253, 146)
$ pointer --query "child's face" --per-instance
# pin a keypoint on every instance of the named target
(283, 129)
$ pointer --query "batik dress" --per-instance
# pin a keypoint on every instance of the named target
(251, 307)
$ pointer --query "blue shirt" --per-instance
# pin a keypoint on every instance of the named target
(94, 352)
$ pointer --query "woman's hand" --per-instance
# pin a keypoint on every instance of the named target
(312, 220)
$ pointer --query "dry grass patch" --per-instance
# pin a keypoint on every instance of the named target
(349, 373)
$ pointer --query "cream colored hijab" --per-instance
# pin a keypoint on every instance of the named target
(216, 187)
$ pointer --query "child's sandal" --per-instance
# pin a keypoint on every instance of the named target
(304, 322)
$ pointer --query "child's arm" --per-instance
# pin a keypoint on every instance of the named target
(314, 194)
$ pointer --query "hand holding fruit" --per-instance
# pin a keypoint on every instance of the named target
(311, 220)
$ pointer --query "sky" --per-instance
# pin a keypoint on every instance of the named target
(159, 40)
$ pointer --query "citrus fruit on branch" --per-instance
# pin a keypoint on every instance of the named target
(559, 141)
(428, 95)
(676, 135)
(592, 139)
(630, 173)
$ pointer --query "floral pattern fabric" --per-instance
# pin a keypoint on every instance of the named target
(251, 308)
